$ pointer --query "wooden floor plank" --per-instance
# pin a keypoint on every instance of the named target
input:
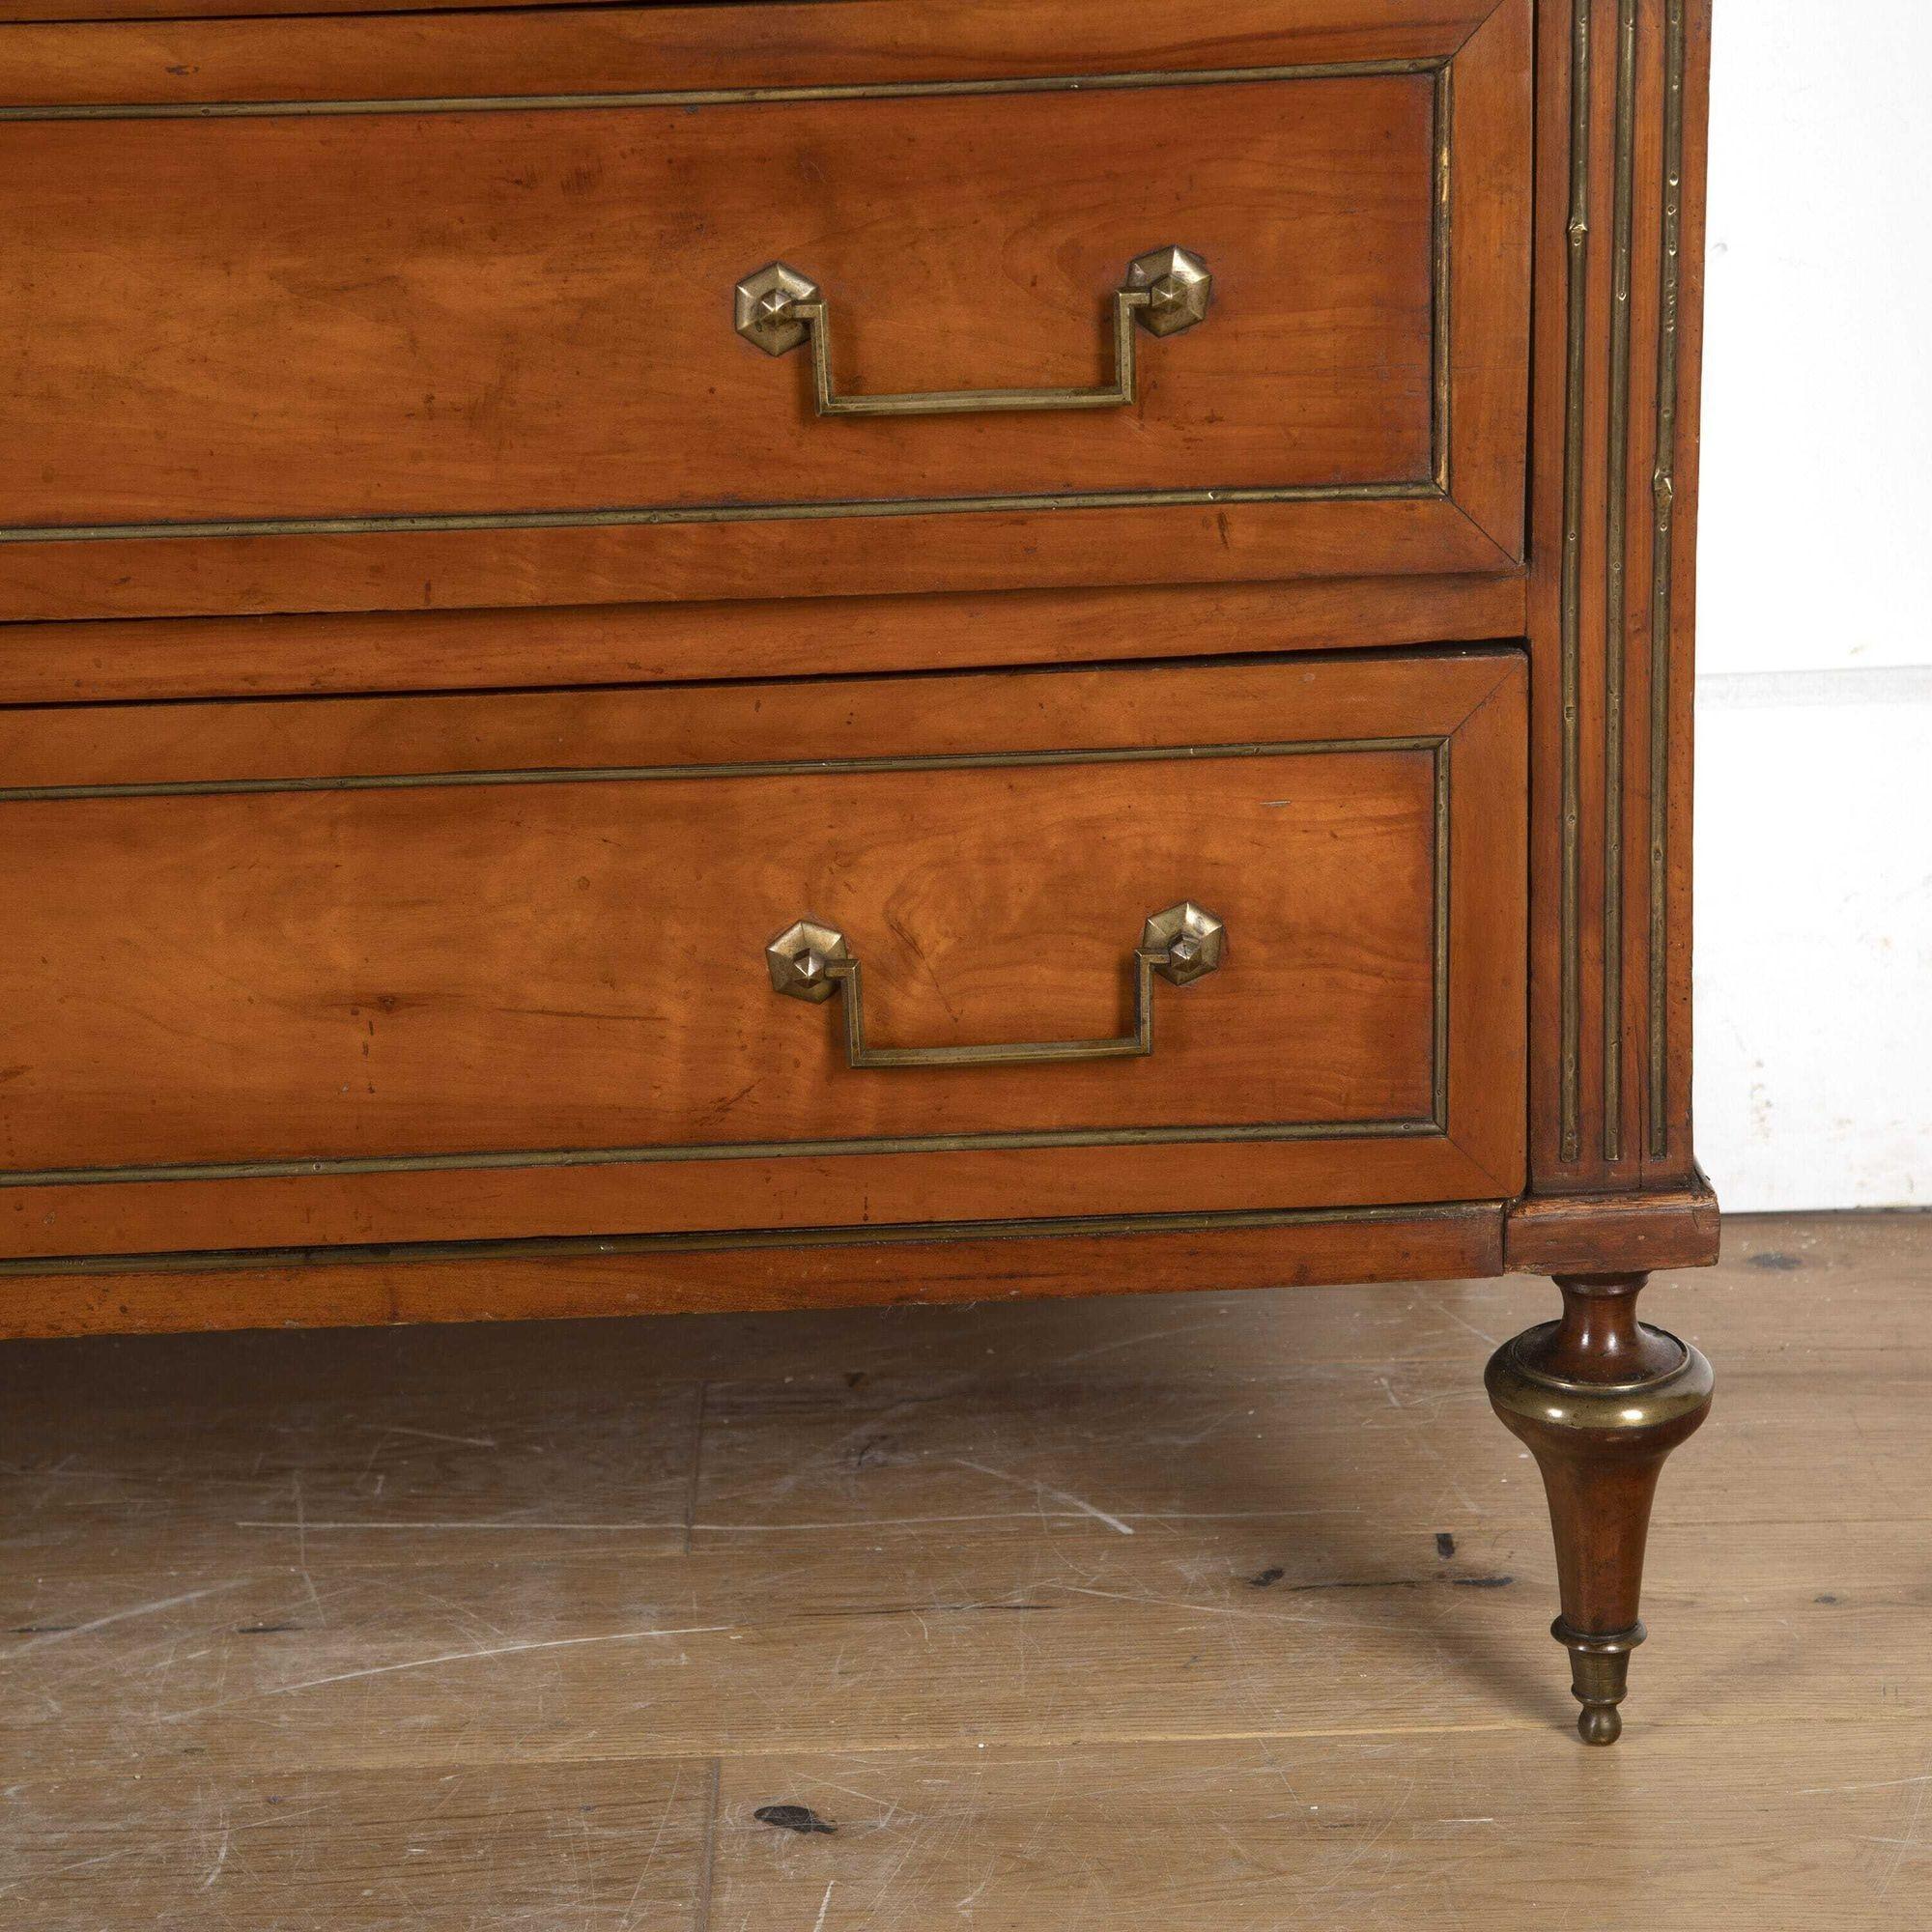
(1231, 1630)
(1823, 1836)
(592, 1848)
(1801, 1433)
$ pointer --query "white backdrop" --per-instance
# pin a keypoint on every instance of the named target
(1814, 782)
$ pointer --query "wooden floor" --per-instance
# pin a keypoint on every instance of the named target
(1184, 1614)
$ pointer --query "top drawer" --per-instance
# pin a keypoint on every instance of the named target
(352, 314)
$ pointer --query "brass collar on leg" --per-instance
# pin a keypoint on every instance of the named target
(1517, 1386)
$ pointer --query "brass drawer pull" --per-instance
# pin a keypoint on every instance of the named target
(811, 961)
(1166, 291)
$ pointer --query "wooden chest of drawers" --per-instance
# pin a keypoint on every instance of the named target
(538, 544)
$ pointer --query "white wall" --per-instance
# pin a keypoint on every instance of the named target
(1814, 782)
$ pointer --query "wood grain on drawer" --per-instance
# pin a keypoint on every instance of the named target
(476, 346)
(449, 968)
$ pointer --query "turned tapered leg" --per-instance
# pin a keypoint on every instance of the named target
(1600, 1400)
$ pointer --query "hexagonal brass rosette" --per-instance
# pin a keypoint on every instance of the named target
(1193, 940)
(800, 958)
(764, 307)
(1179, 288)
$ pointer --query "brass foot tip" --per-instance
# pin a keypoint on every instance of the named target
(1599, 1677)
(1600, 1725)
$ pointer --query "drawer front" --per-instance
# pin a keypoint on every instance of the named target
(457, 969)
(476, 346)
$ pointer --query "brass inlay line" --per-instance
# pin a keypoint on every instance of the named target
(1439, 1039)
(984, 1142)
(627, 516)
(1444, 222)
(718, 97)
(498, 1158)
(870, 1235)
(1616, 563)
(1662, 557)
(936, 762)
(721, 513)
(1571, 890)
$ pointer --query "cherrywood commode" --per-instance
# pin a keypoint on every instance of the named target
(769, 655)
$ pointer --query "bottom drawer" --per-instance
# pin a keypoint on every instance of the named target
(486, 968)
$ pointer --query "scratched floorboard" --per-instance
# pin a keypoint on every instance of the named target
(1265, 1835)
(1178, 1611)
